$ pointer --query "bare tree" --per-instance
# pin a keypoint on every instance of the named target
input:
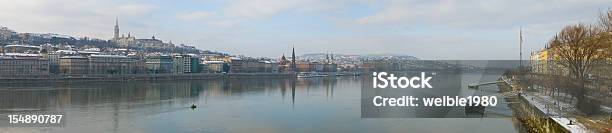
(605, 21)
(577, 47)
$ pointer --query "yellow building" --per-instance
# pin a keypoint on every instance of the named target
(546, 62)
(538, 61)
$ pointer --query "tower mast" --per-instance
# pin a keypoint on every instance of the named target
(521, 46)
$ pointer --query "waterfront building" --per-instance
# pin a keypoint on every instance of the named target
(195, 63)
(74, 65)
(271, 66)
(213, 66)
(236, 65)
(185, 64)
(539, 61)
(159, 64)
(139, 65)
(214, 63)
(54, 61)
(19, 64)
(547, 62)
(250, 65)
(305, 67)
(111, 64)
(316, 67)
(179, 65)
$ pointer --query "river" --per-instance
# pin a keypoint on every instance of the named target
(228, 105)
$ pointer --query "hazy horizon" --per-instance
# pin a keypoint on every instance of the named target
(446, 29)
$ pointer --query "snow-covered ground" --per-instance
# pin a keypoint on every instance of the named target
(553, 108)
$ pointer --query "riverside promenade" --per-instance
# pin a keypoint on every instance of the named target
(554, 110)
(549, 114)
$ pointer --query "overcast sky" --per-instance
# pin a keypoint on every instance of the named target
(429, 29)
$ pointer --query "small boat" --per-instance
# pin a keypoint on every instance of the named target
(472, 86)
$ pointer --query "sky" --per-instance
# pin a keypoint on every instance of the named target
(428, 29)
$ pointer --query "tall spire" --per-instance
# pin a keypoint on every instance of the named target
(293, 67)
(116, 36)
(326, 58)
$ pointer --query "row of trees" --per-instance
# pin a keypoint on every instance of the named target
(577, 48)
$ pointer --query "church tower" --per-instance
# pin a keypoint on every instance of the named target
(116, 37)
(327, 61)
(293, 65)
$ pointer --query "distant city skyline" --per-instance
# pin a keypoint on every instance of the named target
(264, 28)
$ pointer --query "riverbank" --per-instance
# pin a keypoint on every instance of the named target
(541, 114)
(154, 77)
(142, 77)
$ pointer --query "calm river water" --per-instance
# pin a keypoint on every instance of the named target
(226, 105)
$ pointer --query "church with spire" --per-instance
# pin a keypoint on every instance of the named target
(292, 65)
(131, 41)
(288, 65)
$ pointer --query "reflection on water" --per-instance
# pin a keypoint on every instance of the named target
(224, 105)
